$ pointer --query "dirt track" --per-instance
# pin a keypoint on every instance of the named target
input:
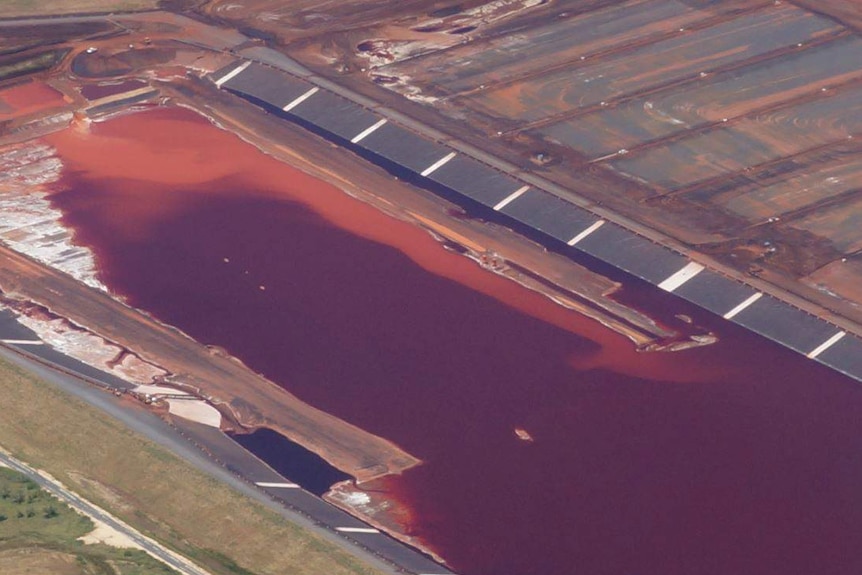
(250, 398)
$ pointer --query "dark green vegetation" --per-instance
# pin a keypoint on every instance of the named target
(20, 65)
(39, 533)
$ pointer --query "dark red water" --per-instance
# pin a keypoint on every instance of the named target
(733, 459)
(102, 90)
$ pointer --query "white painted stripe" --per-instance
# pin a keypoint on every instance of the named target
(233, 73)
(732, 313)
(367, 131)
(284, 485)
(826, 344)
(586, 232)
(511, 198)
(357, 530)
(438, 164)
(605, 157)
(23, 341)
(301, 99)
(688, 271)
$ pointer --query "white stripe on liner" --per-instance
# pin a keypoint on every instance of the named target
(511, 198)
(270, 484)
(23, 341)
(688, 271)
(357, 530)
(743, 305)
(233, 73)
(826, 345)
(301, 99)
(438, 164)
(367, 131)
(586, 232)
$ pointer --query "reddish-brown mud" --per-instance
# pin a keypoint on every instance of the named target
(97, 91)
(27, 98)
(166, 152)
(739, 457)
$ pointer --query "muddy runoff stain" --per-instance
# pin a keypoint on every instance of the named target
(550, 445)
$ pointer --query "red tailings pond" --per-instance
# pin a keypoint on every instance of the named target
(27, 98)
(738, 457)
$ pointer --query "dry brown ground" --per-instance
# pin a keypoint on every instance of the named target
(28, 562)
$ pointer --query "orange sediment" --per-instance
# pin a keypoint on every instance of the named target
(28, 98)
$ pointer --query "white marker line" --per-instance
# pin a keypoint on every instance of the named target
(23, 341)
(732, 313)
(367, 131)
(438, 164)
(283, 485)
(826, 344)
(233, 73)
(357, 530)
(301, 99)
(511, 198)
(688, 271)
(586, 232)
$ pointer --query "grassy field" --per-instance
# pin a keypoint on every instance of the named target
(39, 534)
(16, 8)
(153, 490)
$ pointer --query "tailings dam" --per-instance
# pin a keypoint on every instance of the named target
(549, 443)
